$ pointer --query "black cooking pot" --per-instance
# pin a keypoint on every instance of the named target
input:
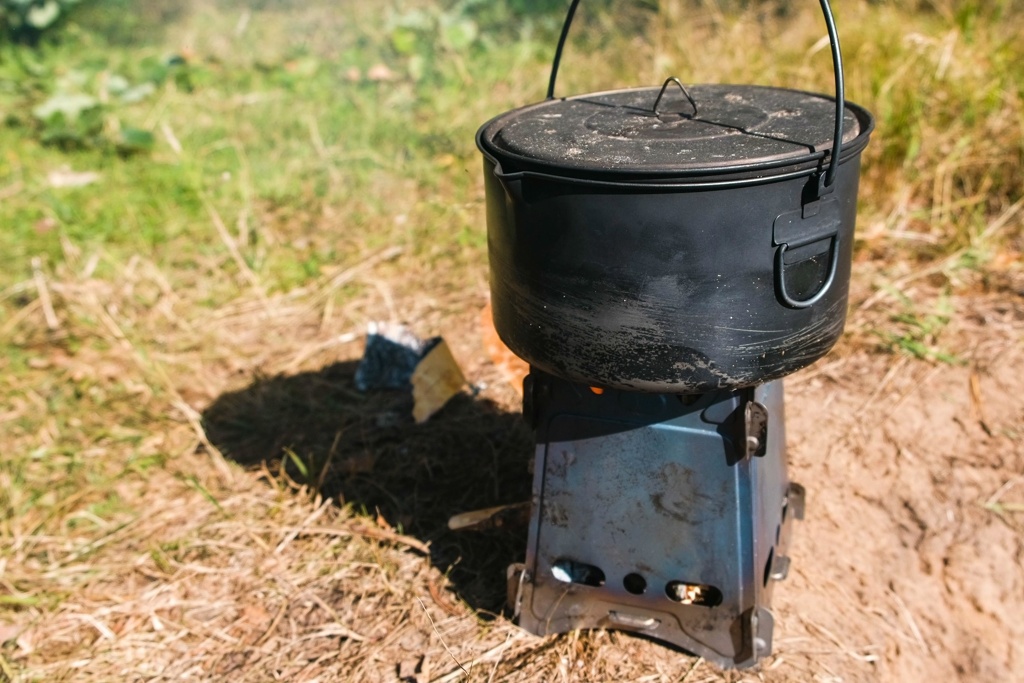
(681, 239)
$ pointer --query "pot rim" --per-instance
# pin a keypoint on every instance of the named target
(511, 164)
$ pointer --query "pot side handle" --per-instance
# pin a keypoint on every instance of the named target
(780, 276)
(811, 223)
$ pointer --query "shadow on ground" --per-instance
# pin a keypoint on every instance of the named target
(366, 451)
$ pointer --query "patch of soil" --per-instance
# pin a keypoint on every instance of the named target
(909, 564)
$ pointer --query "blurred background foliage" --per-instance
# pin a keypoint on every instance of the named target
(281, 112)
(25, 21)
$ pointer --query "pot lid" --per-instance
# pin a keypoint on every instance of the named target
(702, 129)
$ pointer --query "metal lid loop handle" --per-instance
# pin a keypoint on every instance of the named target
(664, 87)
(828, 178)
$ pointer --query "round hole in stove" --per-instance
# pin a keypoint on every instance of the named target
(635, 584)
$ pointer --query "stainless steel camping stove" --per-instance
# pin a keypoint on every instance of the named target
(660, 514)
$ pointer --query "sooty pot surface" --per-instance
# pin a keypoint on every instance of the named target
(661, 290)
(685, 249)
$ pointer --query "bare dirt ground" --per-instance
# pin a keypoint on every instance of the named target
(908, 566)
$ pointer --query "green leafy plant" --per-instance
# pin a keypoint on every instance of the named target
(25, 21)
(422, 35)
(917, 333)
(85, 109)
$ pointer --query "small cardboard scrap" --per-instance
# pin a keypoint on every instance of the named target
(436, 379)
(396, 358)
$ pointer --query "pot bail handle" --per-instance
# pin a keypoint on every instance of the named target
(561, 46)
(827, 179)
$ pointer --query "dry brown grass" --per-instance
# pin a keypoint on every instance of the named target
(204, 570)
(199, 569)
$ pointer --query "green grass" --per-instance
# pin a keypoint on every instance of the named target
(917, 332)
(271, 122)
(277, 129)
(276, 125)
